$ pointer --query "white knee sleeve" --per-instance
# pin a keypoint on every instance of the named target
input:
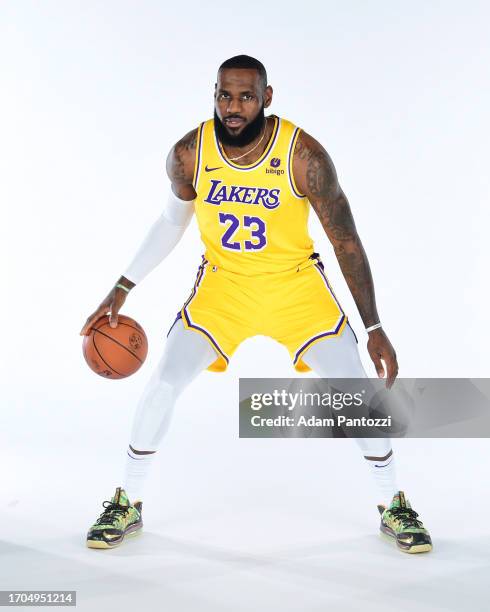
(186, 354)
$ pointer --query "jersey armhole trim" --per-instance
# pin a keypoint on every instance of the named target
(197, 163)
(292, 184)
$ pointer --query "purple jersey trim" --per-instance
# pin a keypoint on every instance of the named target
(199, 147)
(290, 165)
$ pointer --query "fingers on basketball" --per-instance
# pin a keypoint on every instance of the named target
(113, 317)
(114, 310)
(92, 319)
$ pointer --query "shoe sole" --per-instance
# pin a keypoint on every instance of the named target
(417, 548)
(132, 531)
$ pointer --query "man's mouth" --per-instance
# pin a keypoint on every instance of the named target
(234, 122)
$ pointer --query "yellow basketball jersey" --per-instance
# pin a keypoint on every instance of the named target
(252, 219)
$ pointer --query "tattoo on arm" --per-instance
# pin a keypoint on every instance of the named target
(180, 165)
(318, 179)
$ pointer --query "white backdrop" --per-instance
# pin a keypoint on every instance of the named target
(93, 95)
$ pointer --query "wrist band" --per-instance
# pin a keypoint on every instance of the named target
(123, 287)
(372, 327)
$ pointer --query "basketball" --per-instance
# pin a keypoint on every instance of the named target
(115, 352)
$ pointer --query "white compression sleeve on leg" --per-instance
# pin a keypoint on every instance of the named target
(186, 354)
(165, 233)
(338, 357)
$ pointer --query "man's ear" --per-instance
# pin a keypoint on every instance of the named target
(268, 96)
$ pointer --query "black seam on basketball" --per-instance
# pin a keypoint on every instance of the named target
(109, 366)
(119, 323)
(117, 342)
(106, 323)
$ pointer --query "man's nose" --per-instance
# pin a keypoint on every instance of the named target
(234, 106)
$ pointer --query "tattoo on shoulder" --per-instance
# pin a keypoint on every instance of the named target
(188, 142)
(321, 178)
(301, 151)
(323, 190)
(180, 163)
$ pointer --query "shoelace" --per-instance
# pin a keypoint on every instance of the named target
(112, 511)
(408, 515)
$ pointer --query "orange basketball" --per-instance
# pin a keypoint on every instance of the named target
(115, 352)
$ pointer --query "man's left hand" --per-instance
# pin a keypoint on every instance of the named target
(380, 349)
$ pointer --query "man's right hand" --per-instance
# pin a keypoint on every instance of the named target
(112, 304)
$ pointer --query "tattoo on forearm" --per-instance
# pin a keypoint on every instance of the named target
(355, 267)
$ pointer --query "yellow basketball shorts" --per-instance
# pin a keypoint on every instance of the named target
(297, 308)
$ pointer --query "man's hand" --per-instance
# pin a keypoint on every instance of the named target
(112, 303)
(380, 348)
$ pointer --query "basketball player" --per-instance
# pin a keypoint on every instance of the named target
(250, 180)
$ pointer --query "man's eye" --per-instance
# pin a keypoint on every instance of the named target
(222, 96)
(247, 97)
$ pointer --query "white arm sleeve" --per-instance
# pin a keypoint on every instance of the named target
(162, 237)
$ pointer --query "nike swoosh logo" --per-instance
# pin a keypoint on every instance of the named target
(406, 540)
(211, 169)
(111, 536)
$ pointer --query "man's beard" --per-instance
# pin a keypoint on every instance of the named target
(245, 137)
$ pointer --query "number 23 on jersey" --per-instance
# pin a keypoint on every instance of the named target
(231, 223)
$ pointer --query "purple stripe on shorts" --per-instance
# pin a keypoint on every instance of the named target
(187, 317)
(357, 341)
(308, 342)
(317, 266)
(199, 275)
(193, 292)
(205, 331)
(179, 316)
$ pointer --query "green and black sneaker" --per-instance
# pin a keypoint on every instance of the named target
(119, 519)
(399, 521)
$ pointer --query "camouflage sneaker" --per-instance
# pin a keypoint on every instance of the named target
(399, 521)
(119, 519)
